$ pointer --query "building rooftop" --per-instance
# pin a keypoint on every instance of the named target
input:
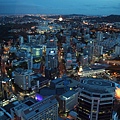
(67, 83)
(73, 114)
(97, 85)
(44, 91)
(22, 71)
(58, 80)
(38, 77)
(36, 65)
(25, 104)
(4, 115)
(39, 106)
(6, 79)
(68, 94)
(9, 106)
(21, 106)
(29, 103)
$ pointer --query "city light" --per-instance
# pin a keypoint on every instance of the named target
(73, 58)
(117, 93)
(60, 19)
(38, 97)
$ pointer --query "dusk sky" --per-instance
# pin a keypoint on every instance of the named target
(87, 7)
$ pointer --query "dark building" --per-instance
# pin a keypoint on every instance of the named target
(51, 74)
(1, 89)
(4, 115)
(95, 101)
(52, 42)
(51, 61)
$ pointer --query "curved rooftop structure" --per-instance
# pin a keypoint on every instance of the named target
(97, 85)
(96, 97)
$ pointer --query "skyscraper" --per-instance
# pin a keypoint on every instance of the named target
(30, 61)
(51, 54)
(99, 37)
(95, 100)
(51, 59)
(51, 62)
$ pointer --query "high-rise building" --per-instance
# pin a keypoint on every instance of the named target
(84, 60)
(52, 59)
(99, 37)
(22, 78)
(68, 60)
(37, 51)
(117, 50)
(95, 101)
(30, 61)
(97, 50)
(51, 54)
(1, 90)
(26, 79)
(68, 100)
(32, 38)
(21, 40)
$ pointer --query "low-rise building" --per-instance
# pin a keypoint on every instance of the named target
(29, 109)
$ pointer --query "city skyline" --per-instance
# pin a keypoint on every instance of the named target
(93, 7)
(57, 67)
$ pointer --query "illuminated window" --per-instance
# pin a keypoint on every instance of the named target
(26, 77)
(70, 88)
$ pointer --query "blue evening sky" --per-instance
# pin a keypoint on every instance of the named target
(88, 7)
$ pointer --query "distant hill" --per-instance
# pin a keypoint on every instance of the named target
(66, 16)
(110, 18)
